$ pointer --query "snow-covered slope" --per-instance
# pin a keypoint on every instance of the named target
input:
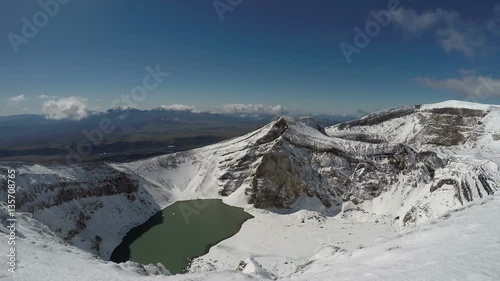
(462, 245)
(401, 166)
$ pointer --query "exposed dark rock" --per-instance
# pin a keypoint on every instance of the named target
(463, 112)
(57, 194)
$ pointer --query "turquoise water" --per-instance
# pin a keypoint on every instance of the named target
(181, 232)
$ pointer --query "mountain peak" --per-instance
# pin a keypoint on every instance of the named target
(122, 108)
(175, 107)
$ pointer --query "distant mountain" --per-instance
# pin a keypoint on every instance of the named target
(145, 132)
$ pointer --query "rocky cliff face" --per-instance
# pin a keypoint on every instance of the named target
(290, 170)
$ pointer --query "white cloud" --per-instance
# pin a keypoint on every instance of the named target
(74, 108)
(26, 109)
(412, 22)
(467, 86)
(452, 32)
(17, 99)
(178, 107)
(469, 41)
(44, 97)
(252, 109)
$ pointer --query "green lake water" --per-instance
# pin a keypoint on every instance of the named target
(181, 232)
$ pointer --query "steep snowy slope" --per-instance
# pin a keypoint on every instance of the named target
(404, 165)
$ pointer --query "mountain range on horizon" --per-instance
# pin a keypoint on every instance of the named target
(138, 133)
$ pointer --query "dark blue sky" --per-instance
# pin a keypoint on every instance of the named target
(264, 52)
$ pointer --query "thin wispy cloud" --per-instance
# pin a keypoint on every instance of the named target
(72, 108)
(17, 99)
(453, 33)
(413, 23)
(465, 86)
(44, 97)
(469, 41)
(252, 109)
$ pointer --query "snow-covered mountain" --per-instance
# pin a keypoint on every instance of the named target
(403, 166)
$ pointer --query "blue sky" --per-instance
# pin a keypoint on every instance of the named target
(270, 52)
